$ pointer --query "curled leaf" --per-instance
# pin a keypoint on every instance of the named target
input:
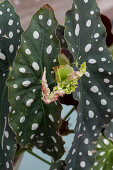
(63, 60)
(47, 96)
(67, 80)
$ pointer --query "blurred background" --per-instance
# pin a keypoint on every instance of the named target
(25, 9)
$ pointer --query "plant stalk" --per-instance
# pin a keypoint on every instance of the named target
(71, 131)
(69, 113)
(40, 158)
(32, 153)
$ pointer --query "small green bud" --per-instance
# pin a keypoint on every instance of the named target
(63, 60)
(10, 68)
(62, 73)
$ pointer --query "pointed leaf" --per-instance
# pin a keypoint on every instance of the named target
(10, 32)
(33, 121)
(104, 155)
(85, 35)
(60, 165)
(108, 25)
(108, 132)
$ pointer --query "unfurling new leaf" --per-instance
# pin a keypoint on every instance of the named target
(67, 81)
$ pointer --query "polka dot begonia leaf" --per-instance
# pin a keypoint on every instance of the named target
(104, 155)
(10, 33)
(108, 132)
(85, 35)
(34, 122)
(59, 165)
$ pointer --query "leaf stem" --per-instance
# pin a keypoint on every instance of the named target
(20, 151)
(69, 113)
(71, 131)
(32, 153)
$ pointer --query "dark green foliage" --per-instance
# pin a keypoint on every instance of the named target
(60, 35)
(85, 35)
(10, 32)
(34, 122)
(63, 43)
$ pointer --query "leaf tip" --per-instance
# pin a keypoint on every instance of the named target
(46, 6)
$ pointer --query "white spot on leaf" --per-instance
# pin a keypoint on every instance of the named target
(49, 49)
(36, 34)
(35, 66)
(53, 138)
(10, 22)
(87, 102)
(27, 51)
(15, 86)
(88, 48)
(106, 142)
(96, 35)
(51, 117)
(40, 17)
(88, 23)
(6, 134)
(29, 102)
(49, 22)
(91, 12)
(26, 83)
(7, 165)
(102, 153)
(10, 34)
(77, 16)
(2, 56)
(86, 141)
(87, 74)
(1, 12)
(92, 61)
(101, 70)
(98, 146)
(82, 164)
(11, 48)
(103, 102)
(22, 119)
(100, 48)
(34, 126)
(91, 114)
(106, 80)
(17, 98)
(77, 30)
(22, 70)
(94, 89)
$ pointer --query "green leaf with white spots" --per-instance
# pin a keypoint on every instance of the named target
(111, 50)
(104, 154)
(108, 132)
(34, 122)
(10, 33)
(60, 165)
(85, 35)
